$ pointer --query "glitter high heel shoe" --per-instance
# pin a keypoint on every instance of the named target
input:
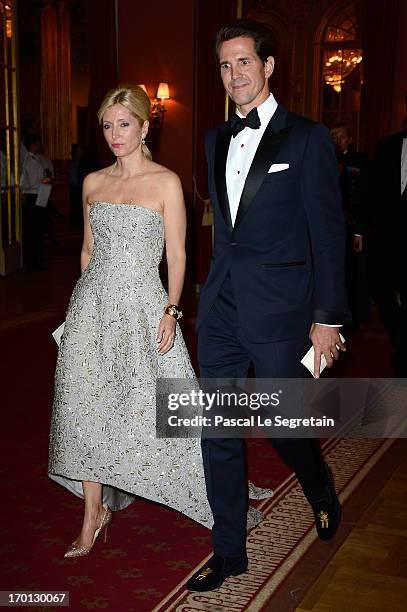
(82, 551)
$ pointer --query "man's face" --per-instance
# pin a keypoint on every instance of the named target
(244, 74)
(341, 139)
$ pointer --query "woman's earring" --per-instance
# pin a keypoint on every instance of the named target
(143, 141)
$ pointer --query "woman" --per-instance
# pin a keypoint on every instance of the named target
(120, 336)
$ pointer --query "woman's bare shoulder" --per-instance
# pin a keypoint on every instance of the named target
(94, 181)
(94, 178)
(167, 177)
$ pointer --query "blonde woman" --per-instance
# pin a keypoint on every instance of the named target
(120, 336)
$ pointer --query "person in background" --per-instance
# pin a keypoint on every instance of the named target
(88, 162)
(28, 128)
(353, 168)
(388, 258)
(51, 209)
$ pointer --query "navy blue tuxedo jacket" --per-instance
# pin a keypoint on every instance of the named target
(285, 252)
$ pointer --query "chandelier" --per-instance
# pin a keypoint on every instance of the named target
(338, 65)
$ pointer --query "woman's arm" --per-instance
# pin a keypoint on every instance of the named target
(175, 231)
(87, 245)
(175, 227)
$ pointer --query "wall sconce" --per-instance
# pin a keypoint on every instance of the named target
(9, 26)
(158, 104)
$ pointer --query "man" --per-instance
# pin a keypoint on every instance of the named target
(387, 261)
(353, 168)
(277, 272)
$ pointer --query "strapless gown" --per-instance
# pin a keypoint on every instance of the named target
(103, 420)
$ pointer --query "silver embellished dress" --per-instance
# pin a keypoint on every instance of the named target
(103, 421)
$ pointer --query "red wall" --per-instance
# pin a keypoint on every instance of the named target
(156, 43)
(400, 82)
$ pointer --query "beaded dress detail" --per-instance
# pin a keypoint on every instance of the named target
(103, 421)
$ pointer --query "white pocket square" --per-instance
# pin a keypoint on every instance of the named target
(278, 167)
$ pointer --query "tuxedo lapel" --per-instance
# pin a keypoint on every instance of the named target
(270, 144)
(221, 153)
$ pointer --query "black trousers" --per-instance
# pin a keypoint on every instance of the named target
(391, 301)
(357, 283)
(225, 352)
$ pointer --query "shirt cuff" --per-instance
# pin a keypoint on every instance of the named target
(326, 325)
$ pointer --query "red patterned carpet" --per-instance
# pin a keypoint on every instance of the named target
(276, 545)
(150, 550)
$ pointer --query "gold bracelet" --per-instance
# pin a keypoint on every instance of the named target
(173, 311)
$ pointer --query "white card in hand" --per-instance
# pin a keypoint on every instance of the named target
(57, 334)
(308, 359)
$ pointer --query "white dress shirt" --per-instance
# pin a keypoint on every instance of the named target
(47, 165)
(32, 174)
(242, 150)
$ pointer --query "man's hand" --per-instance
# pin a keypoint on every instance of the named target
(326, 341)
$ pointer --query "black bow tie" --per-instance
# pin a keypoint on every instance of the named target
(237, 124)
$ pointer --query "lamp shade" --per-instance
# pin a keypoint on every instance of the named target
(163, 91)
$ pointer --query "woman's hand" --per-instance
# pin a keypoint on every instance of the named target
(166, 334)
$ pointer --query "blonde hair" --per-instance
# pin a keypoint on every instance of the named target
(135, 99)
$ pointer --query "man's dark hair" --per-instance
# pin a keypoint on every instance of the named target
(31, 139)
(264, 41)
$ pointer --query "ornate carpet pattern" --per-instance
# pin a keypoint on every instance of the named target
(151, 550)
(286, 533)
